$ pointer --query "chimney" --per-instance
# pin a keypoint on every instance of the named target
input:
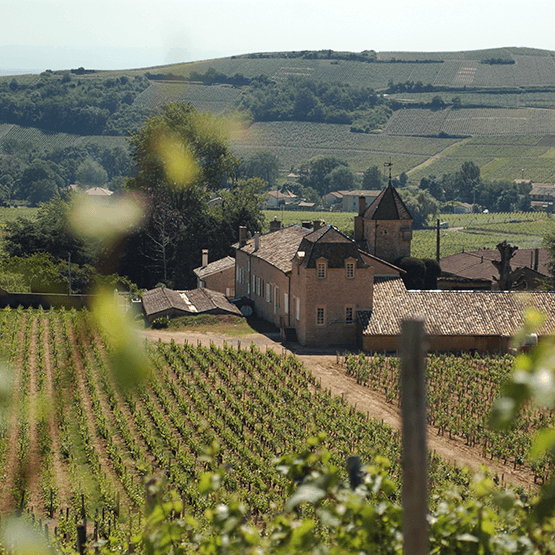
(242, 236)
(205, 257)
(275, 224)
(536, 259)
(256, 240)
(317, 224)
(361, 205)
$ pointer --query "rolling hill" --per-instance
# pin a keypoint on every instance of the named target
(493, 107)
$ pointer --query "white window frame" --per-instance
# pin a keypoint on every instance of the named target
(298, 308)
(286, 302)
(268, 293)
(321, 270)
(350, 270)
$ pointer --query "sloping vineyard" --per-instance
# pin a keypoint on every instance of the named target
(460, 393)
(77, 448)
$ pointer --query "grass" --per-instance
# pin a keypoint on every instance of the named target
(234, 326)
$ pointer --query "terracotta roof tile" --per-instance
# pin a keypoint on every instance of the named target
(453, 312)
(277, 247)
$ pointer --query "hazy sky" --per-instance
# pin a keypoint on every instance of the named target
(125, 34)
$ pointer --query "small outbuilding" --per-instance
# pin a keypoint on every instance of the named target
(162, 302)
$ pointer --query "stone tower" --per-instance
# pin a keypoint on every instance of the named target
(384, 229)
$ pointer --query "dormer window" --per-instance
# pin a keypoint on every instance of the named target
(321, 268)
(350, 270)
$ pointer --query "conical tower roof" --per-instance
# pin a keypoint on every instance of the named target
(388, 205)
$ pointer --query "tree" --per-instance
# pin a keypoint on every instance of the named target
(264, 165)
(91, 174)
(421, 204)
(373, 179)
(48, 233)
(180, 156)
(341, 178)
(241, 205)
(313, 172)
(179, 149)
(503, 266)
(40, 181)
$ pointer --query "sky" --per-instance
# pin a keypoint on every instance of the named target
(36, 35)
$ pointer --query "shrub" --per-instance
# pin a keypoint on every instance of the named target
(160, 323)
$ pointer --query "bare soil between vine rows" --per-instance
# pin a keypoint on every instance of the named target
(324, 364)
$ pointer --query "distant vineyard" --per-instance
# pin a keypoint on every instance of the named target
(424, 242)
(44, 140)
(294, 142)
(214, 98)
(472, 121)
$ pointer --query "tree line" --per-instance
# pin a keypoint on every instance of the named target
(65, 104)
(301, 99)
(33, 175)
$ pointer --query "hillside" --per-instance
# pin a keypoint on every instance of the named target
(493, 107)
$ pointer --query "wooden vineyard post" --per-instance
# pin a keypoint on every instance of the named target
(413, 396)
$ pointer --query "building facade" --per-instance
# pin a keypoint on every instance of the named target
(312, 281)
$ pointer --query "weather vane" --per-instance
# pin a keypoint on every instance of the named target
(388, 165)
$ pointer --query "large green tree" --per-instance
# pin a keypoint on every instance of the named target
(264, 165)
(313, 172)
(181, 156)
(179, 149)
(373, 179)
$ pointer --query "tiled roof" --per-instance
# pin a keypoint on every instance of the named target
(215, 267)
(388, 206)
(453, 312)
(193, 302)
(277, 247)
(477, 264)
(329, 243)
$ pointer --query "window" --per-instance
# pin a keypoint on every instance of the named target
(268, 293)
(258, 292)
(321, 270)
(253, 284)
(277, 299)
(350, 270)
(286, 303)
(320, 316)
(349, 315)
(298, 308)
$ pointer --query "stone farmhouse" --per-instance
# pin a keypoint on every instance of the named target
(324, 289)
